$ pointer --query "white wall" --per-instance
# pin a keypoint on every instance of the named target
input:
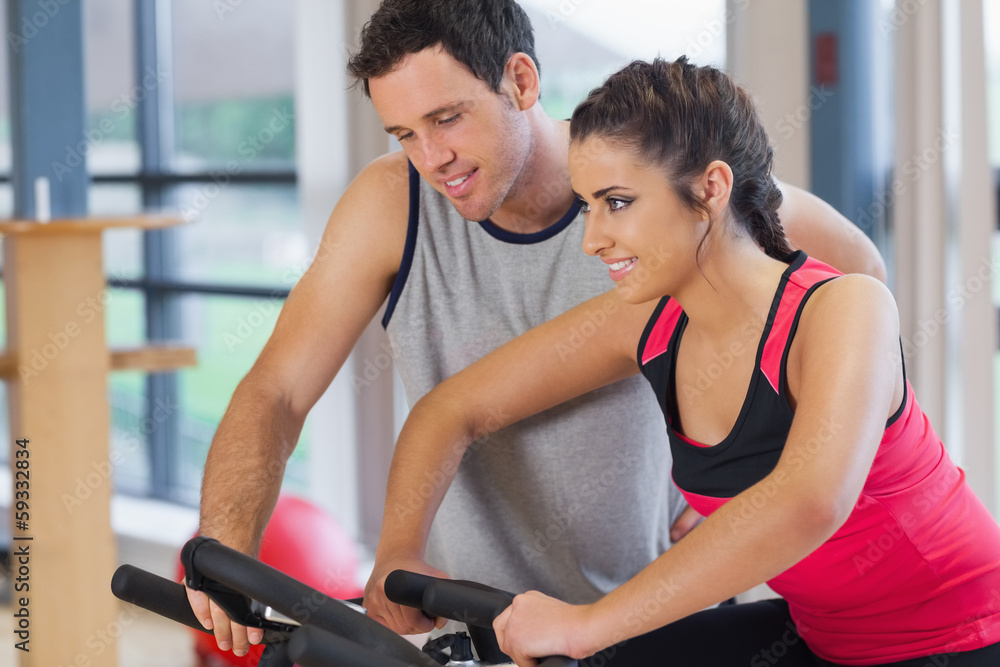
(767, 51)
(337, 134)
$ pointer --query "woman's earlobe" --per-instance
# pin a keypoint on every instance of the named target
(718, 183)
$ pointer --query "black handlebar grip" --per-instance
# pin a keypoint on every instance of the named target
(558, 661)
(308, 606)
(153, 592)
(312, 647)
(407, 588)
(466, 601)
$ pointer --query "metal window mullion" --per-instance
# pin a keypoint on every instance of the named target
(155, 124)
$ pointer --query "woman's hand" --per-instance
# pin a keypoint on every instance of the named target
(537, 626)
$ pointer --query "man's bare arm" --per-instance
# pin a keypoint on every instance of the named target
(319, 325)
(814, 226)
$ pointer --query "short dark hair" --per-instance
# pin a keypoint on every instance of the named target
(682, 117)
(480, 34)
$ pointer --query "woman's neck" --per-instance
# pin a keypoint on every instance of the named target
(735, 286)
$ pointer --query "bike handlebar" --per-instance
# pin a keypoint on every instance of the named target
(311, 647)
(304, 604)
(330, 632)
(466, 601)
(470, 602)
(155, 593)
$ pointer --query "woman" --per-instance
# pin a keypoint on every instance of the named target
(792, 426)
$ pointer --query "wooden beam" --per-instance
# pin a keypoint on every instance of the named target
(150, 358)
(153, 358)
(8, 365)
(86, 225)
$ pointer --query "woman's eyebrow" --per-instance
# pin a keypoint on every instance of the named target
(603, 191)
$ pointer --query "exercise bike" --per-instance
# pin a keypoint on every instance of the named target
(305, 627)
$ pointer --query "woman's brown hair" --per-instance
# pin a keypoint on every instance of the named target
(682, 117)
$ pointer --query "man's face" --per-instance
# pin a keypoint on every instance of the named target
(469, 143)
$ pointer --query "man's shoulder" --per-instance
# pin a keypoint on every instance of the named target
(379, 197)
(387, 177)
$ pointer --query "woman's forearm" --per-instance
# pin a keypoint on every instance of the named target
(431, 445)
(741, 545)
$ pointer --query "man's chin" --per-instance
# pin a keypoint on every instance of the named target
(472, 211)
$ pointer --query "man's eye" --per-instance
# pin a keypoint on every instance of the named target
(450, 119)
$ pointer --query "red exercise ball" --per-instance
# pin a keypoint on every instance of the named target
(305, 543)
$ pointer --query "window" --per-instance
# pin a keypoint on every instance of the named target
(579, 44)
(228, 333)
(233, 75)
(190, 110)
(112, 91)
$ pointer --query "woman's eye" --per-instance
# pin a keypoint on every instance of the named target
(584, 206)
(617, 204)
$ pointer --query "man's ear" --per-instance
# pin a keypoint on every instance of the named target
(521, 74)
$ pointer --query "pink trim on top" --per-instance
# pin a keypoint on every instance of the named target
(663, 329)
(799, 282)
(703, 505)
(689, 440)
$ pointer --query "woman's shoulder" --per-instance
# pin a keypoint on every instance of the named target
(853, 305)
(853, 290)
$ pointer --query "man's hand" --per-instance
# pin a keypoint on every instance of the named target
(396, 617)
(228, 635)
(685, 523)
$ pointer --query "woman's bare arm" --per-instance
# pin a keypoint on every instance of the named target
(524, 377)
(847, 379)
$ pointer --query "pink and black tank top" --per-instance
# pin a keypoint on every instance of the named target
(914, 571)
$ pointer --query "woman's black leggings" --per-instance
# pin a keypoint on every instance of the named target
(757, 634)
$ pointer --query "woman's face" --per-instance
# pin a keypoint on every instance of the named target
(635, 222)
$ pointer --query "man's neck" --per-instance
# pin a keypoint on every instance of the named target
(543, 194)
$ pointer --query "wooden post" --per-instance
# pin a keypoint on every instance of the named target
(57, 363)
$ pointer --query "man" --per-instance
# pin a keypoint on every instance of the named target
(472, 233)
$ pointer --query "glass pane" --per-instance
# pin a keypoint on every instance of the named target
(234, 83)
(125, 318)
(579, 44)
(6, 190)
(228, 334)
(243, 234)
(112, 90)
(122, 247)
(129, 431)
(125, 323)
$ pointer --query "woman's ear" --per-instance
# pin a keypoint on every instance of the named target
(522, 74)
(716, 187)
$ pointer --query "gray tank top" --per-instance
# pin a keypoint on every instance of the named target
(573, 501)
